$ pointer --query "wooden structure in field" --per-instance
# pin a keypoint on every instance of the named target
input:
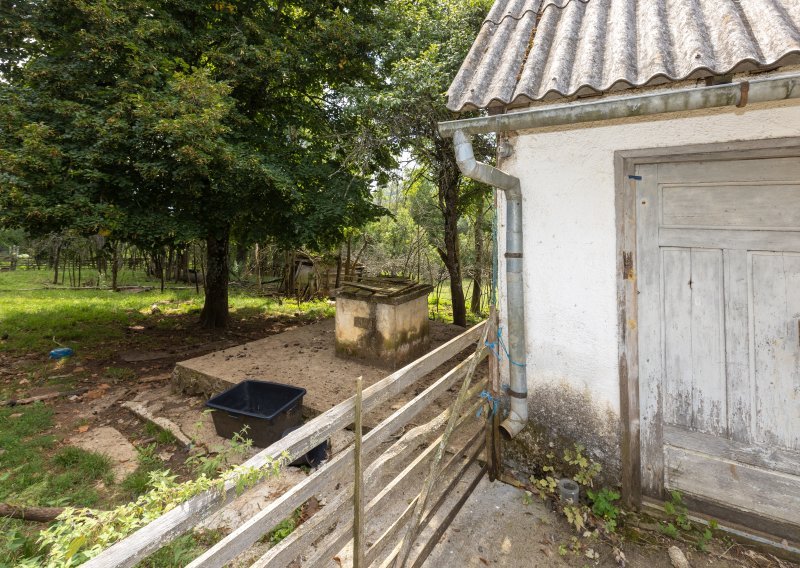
(404, 542)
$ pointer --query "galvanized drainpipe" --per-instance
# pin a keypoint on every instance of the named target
(515, 300)
(776, 88)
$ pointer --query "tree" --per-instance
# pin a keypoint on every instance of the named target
(159, 122)
(430, 40)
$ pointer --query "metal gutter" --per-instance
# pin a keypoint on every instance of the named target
(738, 94)
(471, 168)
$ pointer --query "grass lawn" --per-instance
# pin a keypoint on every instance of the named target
(37, 467)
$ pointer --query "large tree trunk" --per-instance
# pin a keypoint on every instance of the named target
(477, 280)
(448, 182)
(215, 309)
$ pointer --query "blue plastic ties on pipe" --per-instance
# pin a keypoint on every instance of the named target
(494, 402)
(495, 348)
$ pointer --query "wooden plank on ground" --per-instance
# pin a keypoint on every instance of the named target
(336, 470)
(176, 522)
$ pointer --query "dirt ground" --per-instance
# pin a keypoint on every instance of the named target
(499, 526)
(139, 365)
(303, 356)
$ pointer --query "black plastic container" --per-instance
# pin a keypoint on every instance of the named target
(269, 409)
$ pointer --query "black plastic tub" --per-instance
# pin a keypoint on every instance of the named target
(268, 409)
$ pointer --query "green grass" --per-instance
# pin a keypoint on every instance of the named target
(182, 550)
(17, 541)
(32, 473)
(119, 374)
(137, 482)
(440, 303)
(161, 436)
(36, 317)
(37, 321)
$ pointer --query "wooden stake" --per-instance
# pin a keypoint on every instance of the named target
(358, 495)
(493, 427)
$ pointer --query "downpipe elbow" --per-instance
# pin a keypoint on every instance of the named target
(513, 425)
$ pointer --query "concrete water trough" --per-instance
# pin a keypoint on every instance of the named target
(383, 321)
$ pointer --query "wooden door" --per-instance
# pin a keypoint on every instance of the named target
(718, 268)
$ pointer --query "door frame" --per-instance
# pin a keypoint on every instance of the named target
(625, 162)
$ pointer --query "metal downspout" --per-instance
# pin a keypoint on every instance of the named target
(471, 168)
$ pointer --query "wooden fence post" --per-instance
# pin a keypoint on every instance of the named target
(358, 494)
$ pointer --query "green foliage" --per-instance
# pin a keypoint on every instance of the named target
(162, 436)
(17, 542)
(138, 481)
(157, 123)
(80, 534)
(207, 131)
(679, 523)
(284, 528)
(212, 465)
(678, 513)
(182, 550)
(604, 506)
(586, 469)
(576, 516)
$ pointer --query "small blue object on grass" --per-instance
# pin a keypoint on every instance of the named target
(61, 352)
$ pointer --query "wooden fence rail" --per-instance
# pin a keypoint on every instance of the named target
(178, 521)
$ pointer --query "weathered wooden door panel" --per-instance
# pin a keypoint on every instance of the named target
(718, 265)
(747, 206)
(731, 483)
(756, 455)
(776, 348)
(694, 340)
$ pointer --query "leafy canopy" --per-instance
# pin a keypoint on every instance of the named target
(159, 121)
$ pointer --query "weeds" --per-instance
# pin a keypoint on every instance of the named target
(284, 528)
(678, 523)
(163, 437)
(211, 466)
(603, 505)
(138, 481)
(120, 374)
(182, 550)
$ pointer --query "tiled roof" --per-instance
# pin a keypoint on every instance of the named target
(529, 50)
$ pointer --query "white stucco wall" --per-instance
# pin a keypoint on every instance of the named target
(568, 191)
